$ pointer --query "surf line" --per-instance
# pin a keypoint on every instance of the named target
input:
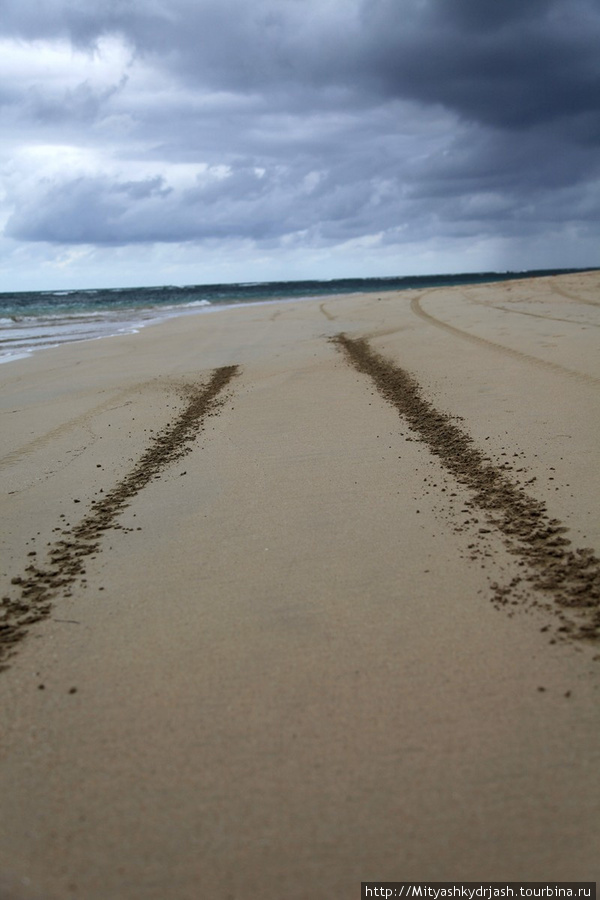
(569, 578)
(37, 587)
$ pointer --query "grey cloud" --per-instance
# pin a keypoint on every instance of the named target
(78, 21)
(81, 103)
(102, 211)
(504, 63)
(483, 160)
(481, 15)
(86, 210)
(495, 61)
(336, 119)
(246, 203)
(509, 69)
(455, 192)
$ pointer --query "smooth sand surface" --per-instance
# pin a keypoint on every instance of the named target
(303, 653)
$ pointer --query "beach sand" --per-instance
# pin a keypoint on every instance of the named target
(286, 611)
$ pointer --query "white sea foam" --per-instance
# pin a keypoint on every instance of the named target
(20, 336)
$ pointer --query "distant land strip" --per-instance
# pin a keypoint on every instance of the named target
(37, 587)
(570, 579)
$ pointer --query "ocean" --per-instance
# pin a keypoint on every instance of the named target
(36, 320)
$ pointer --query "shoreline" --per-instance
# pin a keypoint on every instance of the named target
(162, 316)
(145, 311)
(308, 621)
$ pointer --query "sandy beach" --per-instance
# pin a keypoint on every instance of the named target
(305, 594)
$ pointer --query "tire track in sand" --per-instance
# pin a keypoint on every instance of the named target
(37, 587)
(523, 312)
(569, 580)
(115, 401)
(501, 348)
(329, 316)
(569, 296)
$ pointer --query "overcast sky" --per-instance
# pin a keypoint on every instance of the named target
(190, 141)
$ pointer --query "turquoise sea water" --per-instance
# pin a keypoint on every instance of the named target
(42, 319)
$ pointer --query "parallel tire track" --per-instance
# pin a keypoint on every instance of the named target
(523, 312)
(568, 296)
(570, 579)
(508, 351)
(37, 587)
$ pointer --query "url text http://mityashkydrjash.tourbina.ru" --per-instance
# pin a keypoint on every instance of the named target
(479, 890)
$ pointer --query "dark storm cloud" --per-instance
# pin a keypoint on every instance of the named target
(325, 114)
(502, 64)
(498, 61)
